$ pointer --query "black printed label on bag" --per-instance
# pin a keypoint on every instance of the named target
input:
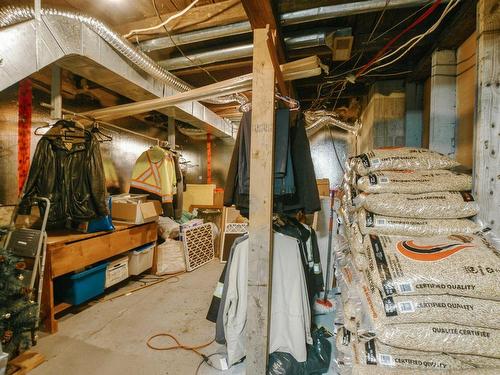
(369, 219)
(390, 306)
(373, 179)
(467, 196)
(371, 353)
(365, 160)
(382, 266)
(346, 337)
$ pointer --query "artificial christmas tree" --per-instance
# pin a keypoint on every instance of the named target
(18, 313)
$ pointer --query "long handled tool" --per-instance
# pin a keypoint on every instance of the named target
(324, 305)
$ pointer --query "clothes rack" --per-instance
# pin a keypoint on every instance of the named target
(103, 123)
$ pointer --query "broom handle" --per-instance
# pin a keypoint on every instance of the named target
(330, 240)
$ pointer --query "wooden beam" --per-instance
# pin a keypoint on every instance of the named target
(487, 131)
(292, 71)
(201, 17)
(214, 68)
(261, 207)
(260, 14)
(271, 45)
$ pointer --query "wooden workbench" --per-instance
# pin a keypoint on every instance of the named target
(71, 251)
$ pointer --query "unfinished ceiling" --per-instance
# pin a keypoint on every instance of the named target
(216, 38)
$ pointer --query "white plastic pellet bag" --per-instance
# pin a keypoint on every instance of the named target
(463, 265)
(370, 223)
(437, 205)
(401, 158)
(414, 182)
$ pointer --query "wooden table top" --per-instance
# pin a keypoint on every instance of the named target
(64, 236)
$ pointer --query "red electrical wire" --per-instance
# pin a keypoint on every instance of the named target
(422, 17)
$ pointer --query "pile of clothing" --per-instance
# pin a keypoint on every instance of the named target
(157, 173)
(295, 186)
(296, 280)
(419, 283)
(67, 169)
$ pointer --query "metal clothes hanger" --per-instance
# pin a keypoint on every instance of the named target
(101, 137)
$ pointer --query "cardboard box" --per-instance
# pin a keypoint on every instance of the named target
(135, 209)
(323, 187)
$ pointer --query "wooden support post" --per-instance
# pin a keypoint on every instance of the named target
(261, 206)
(443, 120)
(414, 97)
(487, 132)
(171, 131)
(55, 93)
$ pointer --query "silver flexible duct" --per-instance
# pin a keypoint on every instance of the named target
(315, 120)
(11, 15)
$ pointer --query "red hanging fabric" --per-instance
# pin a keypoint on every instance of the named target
(24, 132)
(209, 158)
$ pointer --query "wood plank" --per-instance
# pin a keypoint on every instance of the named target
(61, 307)
(27, 361)
(80, 254)
(272, 44)
(466, 100)
(261, 205)
(260, 14)
(197, 18)
(487, 141)
(61, 237)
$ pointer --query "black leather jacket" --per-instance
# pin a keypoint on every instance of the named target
(73, 180)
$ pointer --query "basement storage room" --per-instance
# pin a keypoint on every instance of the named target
(252, 187)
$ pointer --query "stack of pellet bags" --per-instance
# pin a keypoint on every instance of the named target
(419, 279)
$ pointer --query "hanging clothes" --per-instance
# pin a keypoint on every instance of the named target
(290, 311)
(70, 175)
(178, 198)
(295, 186)
(154, 174)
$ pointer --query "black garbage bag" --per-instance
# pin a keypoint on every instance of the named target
(318, 358)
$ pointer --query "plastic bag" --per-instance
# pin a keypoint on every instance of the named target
(318, 358)
(414, 182)
(401, 158)
(438, 205)
(168, 228)
(170, 258)
(370, 223)
(371, 370)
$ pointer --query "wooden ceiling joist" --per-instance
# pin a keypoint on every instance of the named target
(200, 17)
(260, 14)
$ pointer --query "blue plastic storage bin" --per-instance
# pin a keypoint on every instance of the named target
(80, 287)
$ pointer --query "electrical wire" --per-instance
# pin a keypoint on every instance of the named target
(164, 23)
(421, 18)
(414, 41)
(419, 37)
(179, 48)
(208, 363)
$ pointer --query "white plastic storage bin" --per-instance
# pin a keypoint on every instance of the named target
(141, 259)
(116, 271)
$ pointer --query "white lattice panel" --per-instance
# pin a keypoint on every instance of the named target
(198, 246)
(236, 228)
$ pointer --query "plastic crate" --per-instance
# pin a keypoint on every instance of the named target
(116, 271)
(82, 286)
(140, 259)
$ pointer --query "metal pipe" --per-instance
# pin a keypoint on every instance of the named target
(342, 10)
(209, 57)
(240, 51)
(196, 36)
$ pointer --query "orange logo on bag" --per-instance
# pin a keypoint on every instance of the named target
(429, 253)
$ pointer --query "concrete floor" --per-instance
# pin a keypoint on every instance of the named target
(110, 337)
